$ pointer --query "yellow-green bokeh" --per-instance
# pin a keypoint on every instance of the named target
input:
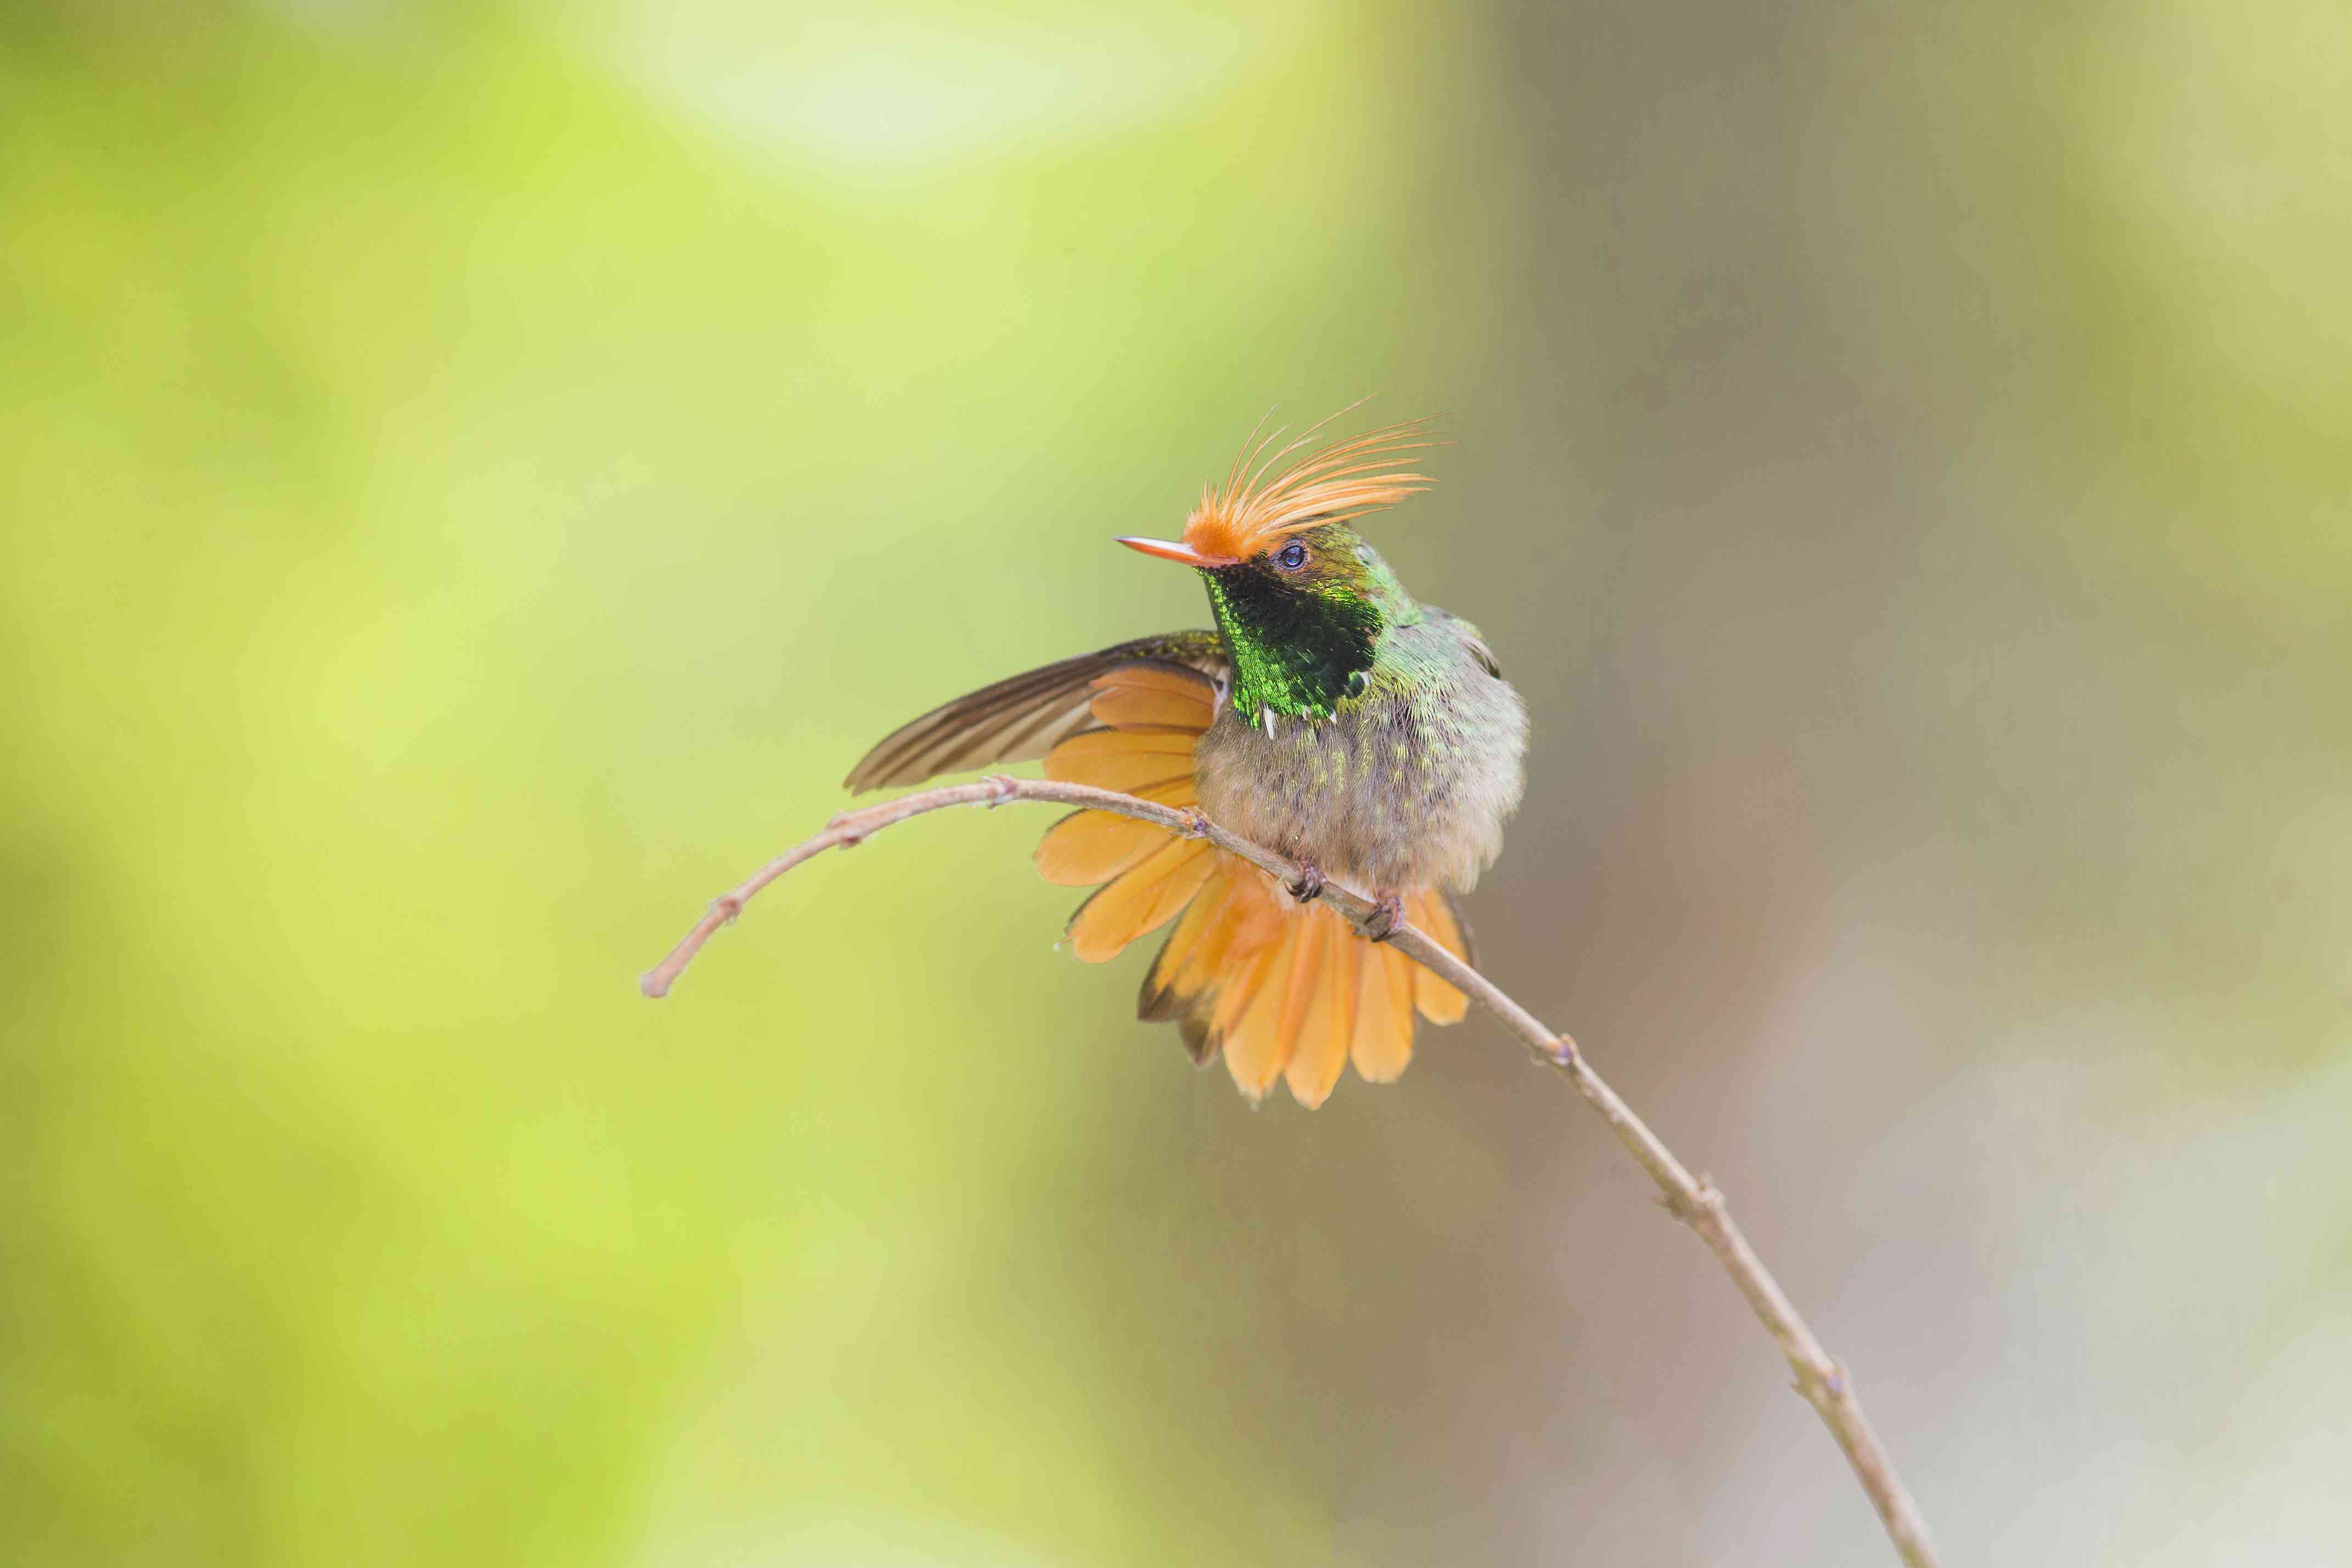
(473, 477)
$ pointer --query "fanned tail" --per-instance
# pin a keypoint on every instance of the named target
(1288, 990)
(1283, 990)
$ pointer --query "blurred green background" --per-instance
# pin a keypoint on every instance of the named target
(476, 475)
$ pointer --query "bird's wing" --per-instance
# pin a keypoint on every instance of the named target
(1027, 715)
(1471, 639)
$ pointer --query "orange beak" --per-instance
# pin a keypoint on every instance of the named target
(1168, 550)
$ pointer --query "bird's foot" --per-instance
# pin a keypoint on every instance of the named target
(1308, 885)
(1386, 916)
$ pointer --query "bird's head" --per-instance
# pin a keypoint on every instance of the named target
(1301, 600)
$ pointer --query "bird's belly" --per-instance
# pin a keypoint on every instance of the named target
(1386, 796)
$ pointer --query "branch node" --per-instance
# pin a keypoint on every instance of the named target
(727, 906)
(1563, 1052)
(1702, 1202)
(1007, 787)
(1196, 823)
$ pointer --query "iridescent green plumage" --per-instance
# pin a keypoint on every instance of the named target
(1302, 641)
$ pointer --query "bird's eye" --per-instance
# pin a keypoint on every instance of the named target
(1293, 556)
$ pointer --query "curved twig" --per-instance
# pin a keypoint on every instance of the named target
(1696, 1201)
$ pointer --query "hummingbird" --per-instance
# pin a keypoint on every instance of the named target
(1327, 714)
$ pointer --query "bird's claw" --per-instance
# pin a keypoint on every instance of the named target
(1308, 886)
(1386, 916)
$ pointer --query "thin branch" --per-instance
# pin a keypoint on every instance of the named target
(1696, 1201)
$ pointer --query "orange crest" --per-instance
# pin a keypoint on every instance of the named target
(1343, 481)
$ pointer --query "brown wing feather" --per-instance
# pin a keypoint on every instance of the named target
(1025, 716)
